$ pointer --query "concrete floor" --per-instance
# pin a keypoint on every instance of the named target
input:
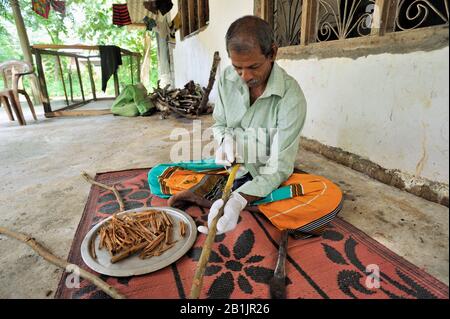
(42, 193)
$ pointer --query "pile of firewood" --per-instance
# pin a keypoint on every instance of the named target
(188, 102)
(185, 102)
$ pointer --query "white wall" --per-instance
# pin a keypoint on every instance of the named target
(389, 108)
(193, 56)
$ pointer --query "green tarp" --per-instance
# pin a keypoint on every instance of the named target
(133, 101)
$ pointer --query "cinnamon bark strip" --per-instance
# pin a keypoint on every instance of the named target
(92, 246)
(166, 219)
(182, 229)
(154, 243)
(168, 236)
(128, 252)
(165, 247)
(158, 222)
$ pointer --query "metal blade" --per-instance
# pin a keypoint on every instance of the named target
(277, 284)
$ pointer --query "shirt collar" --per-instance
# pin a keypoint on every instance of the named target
(275, 83)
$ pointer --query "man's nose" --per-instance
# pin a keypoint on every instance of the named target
(246, 75)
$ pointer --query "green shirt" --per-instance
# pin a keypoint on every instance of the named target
(280, 111)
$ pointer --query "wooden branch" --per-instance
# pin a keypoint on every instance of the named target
(212, 77)
(111, 188)
(310, 12)
(206, 251)
(383, 18)
(47, 255)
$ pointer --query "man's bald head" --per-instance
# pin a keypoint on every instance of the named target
(248, 33)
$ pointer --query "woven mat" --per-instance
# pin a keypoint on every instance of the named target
(339, 264)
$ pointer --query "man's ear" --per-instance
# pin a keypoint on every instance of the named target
(273, 55)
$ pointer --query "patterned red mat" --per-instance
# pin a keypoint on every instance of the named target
(242, 261)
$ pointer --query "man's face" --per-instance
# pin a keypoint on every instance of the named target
(253, 66)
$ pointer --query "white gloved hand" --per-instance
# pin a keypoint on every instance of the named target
(225, 153)
(236, 203)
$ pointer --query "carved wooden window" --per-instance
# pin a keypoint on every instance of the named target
(310, 21)
(194, 16)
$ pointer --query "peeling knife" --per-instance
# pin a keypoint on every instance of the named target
(277, 284)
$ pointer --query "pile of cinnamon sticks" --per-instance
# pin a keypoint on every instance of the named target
(149, 233)
(185, 102)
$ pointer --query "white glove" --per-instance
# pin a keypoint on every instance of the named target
(236, 203)
(225, 153)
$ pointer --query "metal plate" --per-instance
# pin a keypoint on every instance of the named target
(133, 265)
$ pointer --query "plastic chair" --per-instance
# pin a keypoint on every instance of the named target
(12, 71)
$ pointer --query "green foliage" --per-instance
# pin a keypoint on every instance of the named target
(87, 22)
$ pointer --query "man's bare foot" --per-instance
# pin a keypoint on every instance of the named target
(184, 199)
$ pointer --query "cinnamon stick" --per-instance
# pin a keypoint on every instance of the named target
(128, 252)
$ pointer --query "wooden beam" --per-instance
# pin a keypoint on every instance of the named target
(384, 15)
(267, 11)
(131, 68)
(79, 78)
(73, 106)
(57, 53)
(91, 78)
(206, 11)
(191, 14)
(201, 13)
(43, 85)
(61, 74)
(70, 85)
(310, 14)
(116, 84)
(78, 47)
(78, 113)
(184, 12)
(138, 61)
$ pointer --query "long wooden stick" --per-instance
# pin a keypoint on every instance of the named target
(111, 188)
(47, 255)
(212, 76)
(206, 251)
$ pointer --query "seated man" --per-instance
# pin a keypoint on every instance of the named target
(258, 106)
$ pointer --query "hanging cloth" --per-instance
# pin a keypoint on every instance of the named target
(110, 59)
(150, 23)
(59, 6)
(121, 15)
(162, 26)
(174, 25)
(137, 11)
(162, 6)
(41, 7)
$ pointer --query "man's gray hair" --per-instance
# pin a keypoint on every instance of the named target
(247, 32)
